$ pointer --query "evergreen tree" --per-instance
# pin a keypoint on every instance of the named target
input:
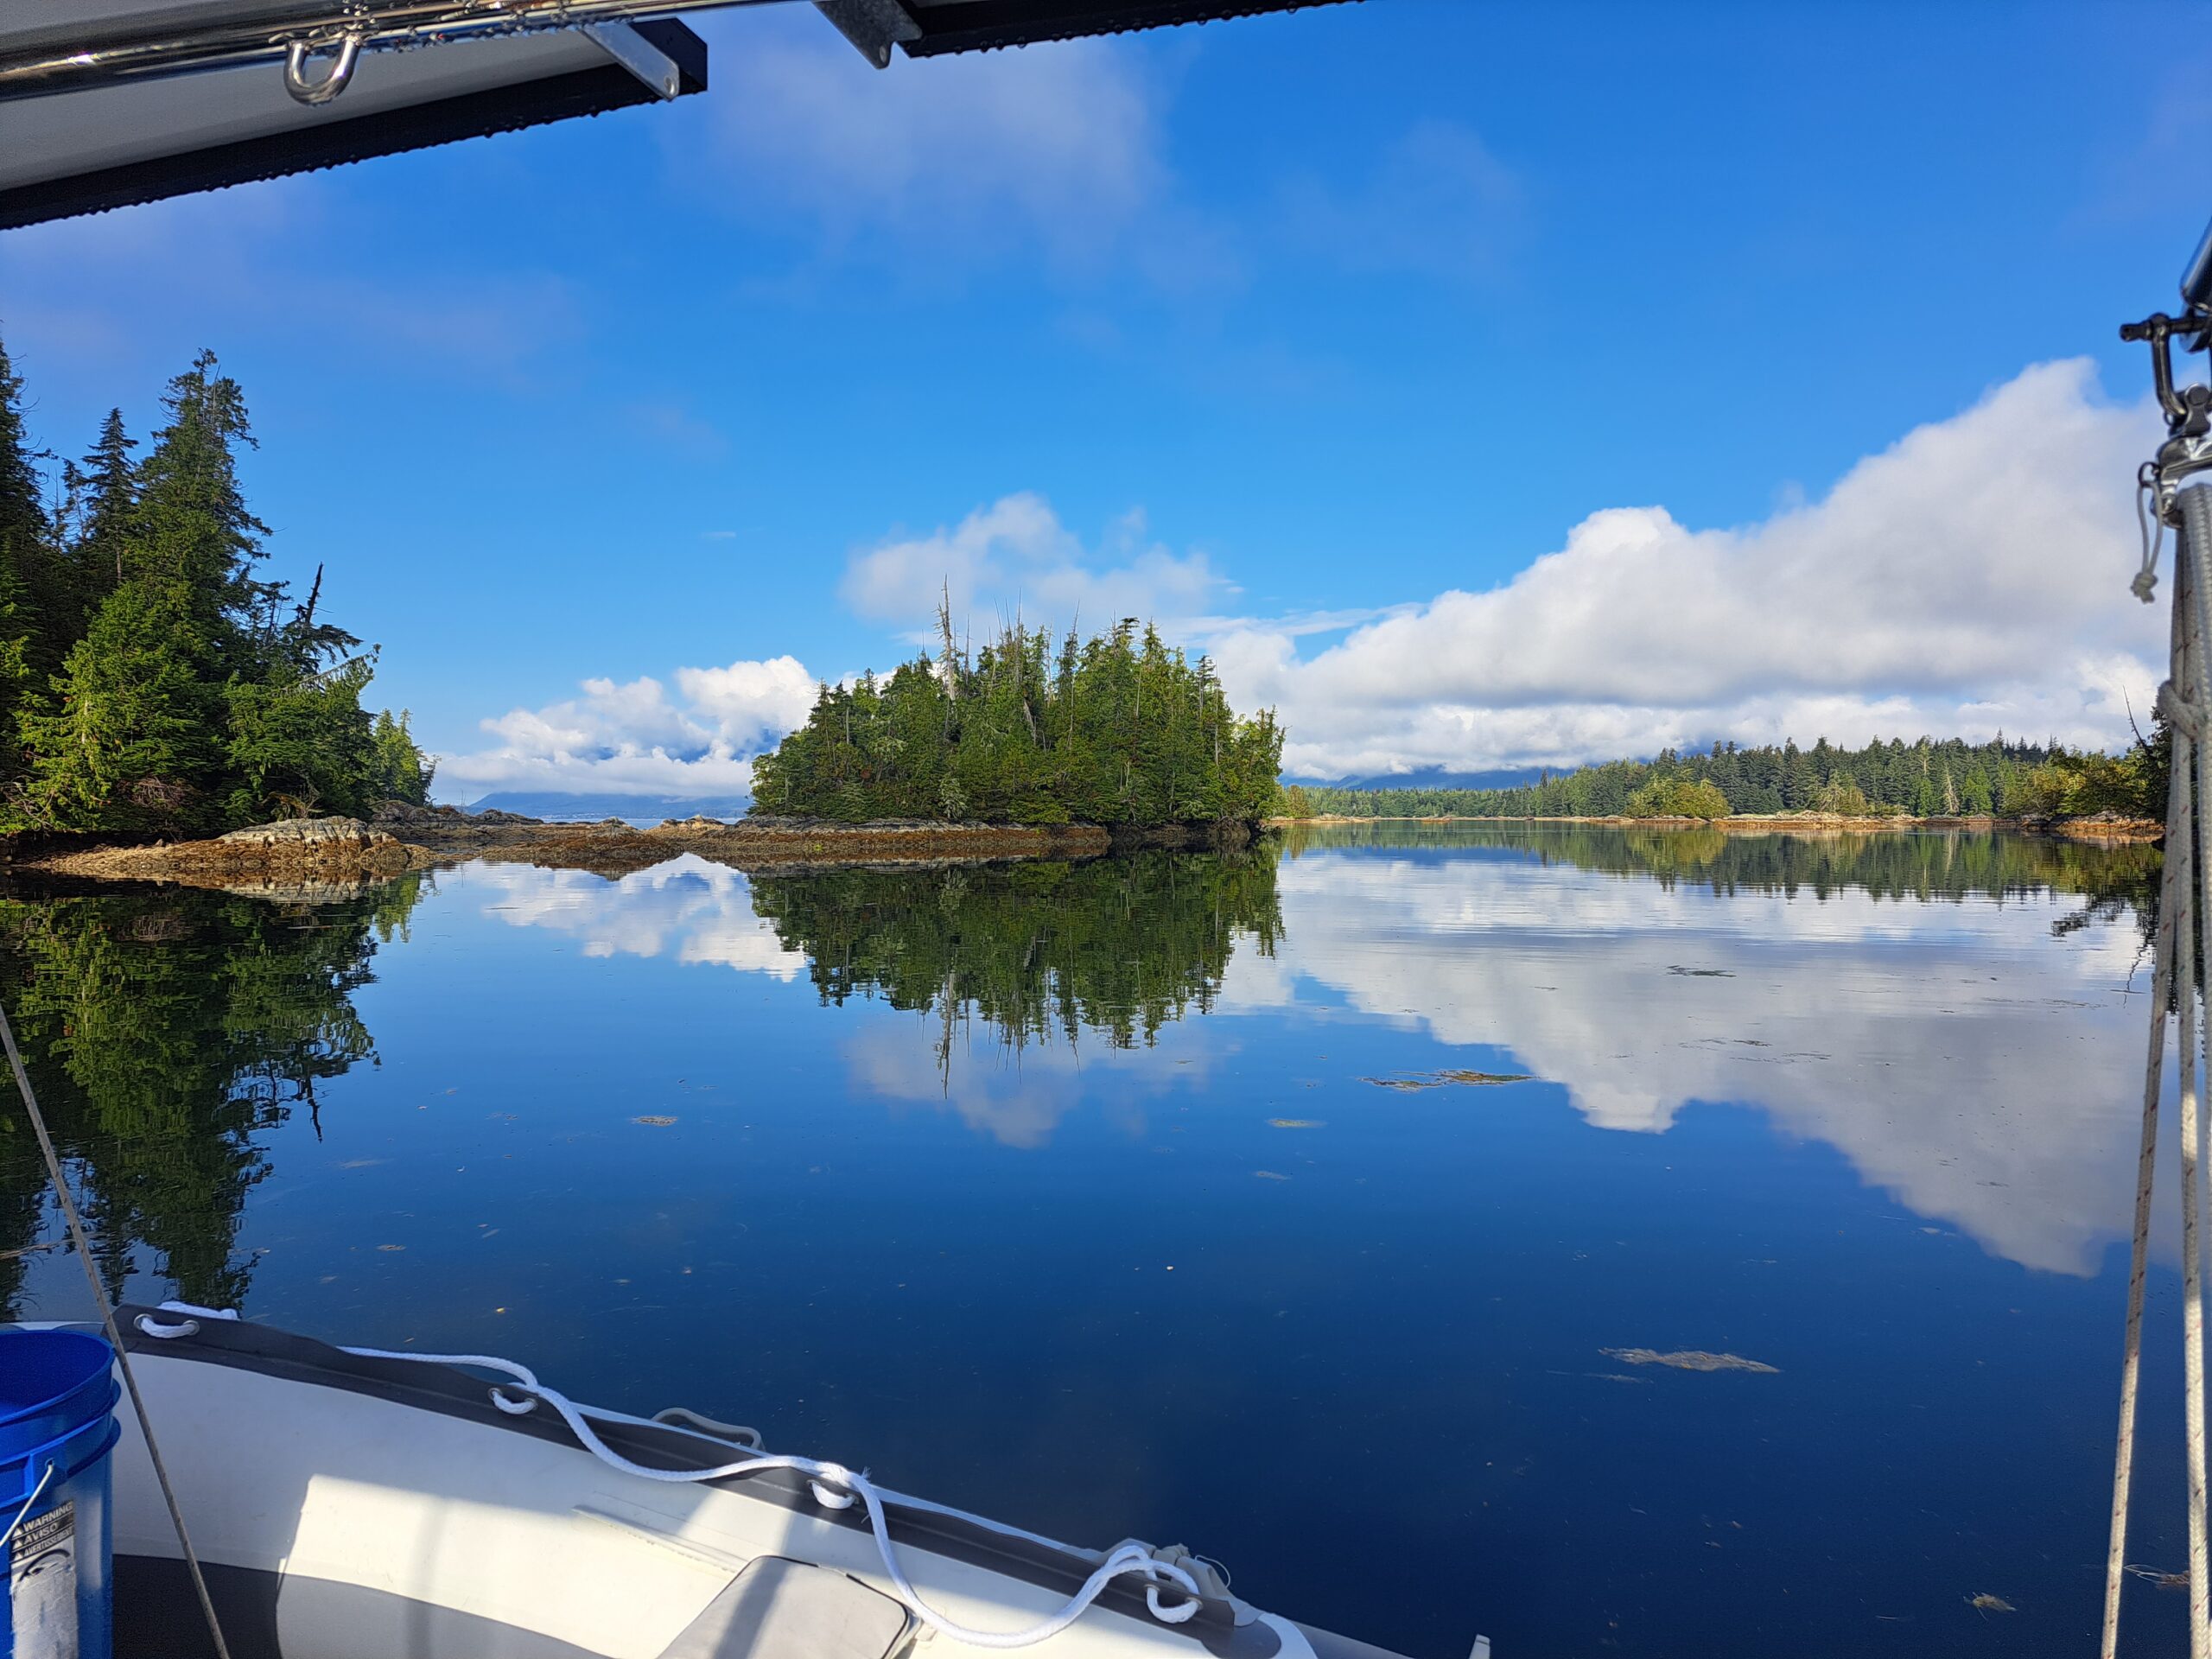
(301, 745)
(25, 561)
(398, 770)
(134, 742)
(150, 679)
(194, 527)
(101, 516)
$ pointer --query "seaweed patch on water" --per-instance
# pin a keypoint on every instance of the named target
(1986, 1602)
(1701, 973)
(1297, 1123)
(1268, 1175)
(1414, 1080)
(1689, 1359)
(2164, 1581)
(655, 1123)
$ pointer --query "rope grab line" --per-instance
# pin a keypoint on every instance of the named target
(834, 1487)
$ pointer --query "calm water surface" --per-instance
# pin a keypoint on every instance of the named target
(1136, 1198)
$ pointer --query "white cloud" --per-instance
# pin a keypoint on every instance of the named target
(1057, 145)
(1439, 204)
(632, 739)
(1016, 555)
(1972, 577)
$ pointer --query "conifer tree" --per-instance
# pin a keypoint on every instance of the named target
(194, 527)
(25, 558)
(102, 497)
(133, 742)
(398, 770)
(150, 679)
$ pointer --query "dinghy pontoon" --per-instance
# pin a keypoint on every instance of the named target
(349, 1504)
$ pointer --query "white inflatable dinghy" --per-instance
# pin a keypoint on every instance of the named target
(347, 1504)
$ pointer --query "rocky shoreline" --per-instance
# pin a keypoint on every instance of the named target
(315, 855)
(310, 857)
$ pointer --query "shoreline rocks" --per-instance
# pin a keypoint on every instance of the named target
(322, 854)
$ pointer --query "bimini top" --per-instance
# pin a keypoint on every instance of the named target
(108, 103)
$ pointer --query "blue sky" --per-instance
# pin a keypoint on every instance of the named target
(1484, 385)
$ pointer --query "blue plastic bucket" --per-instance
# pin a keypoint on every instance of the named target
(57, 1426)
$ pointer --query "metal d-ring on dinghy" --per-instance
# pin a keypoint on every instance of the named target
(349, 1503)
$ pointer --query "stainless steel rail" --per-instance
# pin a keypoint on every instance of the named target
(196, 35)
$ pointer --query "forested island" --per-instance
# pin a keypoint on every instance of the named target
(152, 680)
(1118, 730)
(1928, 779)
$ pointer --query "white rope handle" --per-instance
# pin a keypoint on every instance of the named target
(835, 1487)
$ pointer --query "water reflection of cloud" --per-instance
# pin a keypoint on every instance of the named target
(1019, 1095)
(700, 911)
(1959, 1057)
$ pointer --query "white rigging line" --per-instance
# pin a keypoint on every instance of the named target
(114, 1336)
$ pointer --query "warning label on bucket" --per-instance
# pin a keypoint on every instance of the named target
(43, 1584)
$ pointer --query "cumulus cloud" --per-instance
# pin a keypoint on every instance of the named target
(635, 739)
(1971, 578)
(1016, 555)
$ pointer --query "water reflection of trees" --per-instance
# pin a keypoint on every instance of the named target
(1923, 866)
(1119, 947)
(165, 1034)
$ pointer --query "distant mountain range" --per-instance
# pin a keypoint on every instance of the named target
(590, 808)
(1432, 777)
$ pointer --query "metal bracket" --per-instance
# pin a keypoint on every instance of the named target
(652, 66)
(874, 25)
(2187, 451)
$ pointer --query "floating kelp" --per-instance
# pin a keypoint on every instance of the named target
(1689, 1359)
(2164, 1581)
(655, 1123)
(1414, 1080)
(1987, 1603)
(1297, 1123)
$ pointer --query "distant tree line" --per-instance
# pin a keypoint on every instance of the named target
(1118, 730)
(151, 679)
(1926, 779)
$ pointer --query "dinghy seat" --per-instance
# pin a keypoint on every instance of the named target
(777, 1608)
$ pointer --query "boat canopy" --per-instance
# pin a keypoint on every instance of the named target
(108, 103)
